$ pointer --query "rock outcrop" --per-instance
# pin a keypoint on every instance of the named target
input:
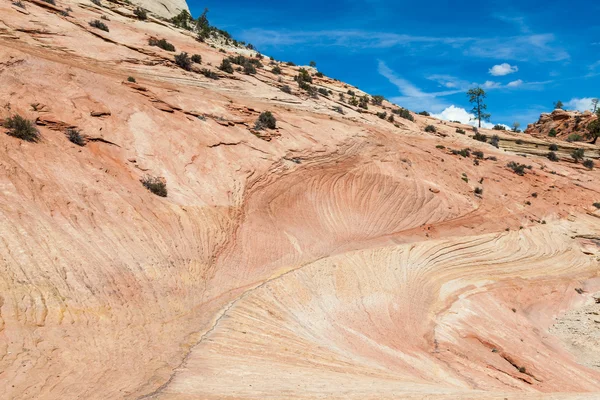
(343, 254)
(163, 8)
(562, 124)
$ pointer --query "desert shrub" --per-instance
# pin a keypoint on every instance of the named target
(499, 128)
(351, 93)
(461, 131)
(518, 141)
(480, 137)
(403, 113)
(249, 69)
(319, 75)
(21, 128)
(430, 128)
(19, 4)
(463, 153)
(552, 156)
(425, 113)
(162, 43)
(382, 115)
(183, 61)
(363, 102)
(495, 140)
(518, 168)
(155, 185)
(286, 89)
(226, 66)
(99, 25)
(552, 132)
(276, 70)
(290, 63)
(75, 137)
(324, 92)
(597, 205)
(377, 100)
(478, 154)
(553, 147)
(589, 164)
(303, 76)
(140, 13)
(391, 118)
(574, 137)
(131, 79)
(196, 58)
(266, 120)
(478, 191)
(577, 154)
(209, 74)
(313, 64)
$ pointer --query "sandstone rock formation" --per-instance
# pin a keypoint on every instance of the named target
(339, 255)
(564, 123)
(163, 8)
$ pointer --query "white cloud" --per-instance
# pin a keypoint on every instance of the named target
(516, 83)
(454, 113)
(579, 104)
(503, 69)
(491, 85)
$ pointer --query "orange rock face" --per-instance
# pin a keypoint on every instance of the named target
(563, 124)
(339, 255)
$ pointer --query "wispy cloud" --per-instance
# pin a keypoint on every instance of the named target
(539, 47)
(518, 21)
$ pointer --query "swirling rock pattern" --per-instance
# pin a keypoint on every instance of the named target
(338, 256)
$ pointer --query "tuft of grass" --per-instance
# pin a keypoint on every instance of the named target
(155, 185)
(22, 128)
(75, 137)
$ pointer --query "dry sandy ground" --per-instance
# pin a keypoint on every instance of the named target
(338, 256)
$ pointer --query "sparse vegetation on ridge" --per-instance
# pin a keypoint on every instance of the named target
(21, 128)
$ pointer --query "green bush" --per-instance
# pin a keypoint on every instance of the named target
(597, 205)
(131, 79)
(577, 154)
(303, 76)
(99, 25)
(209, 74)
(552, 156)
(552, 132)
(140, 13)
(249, 69)
(480, 137)
(403, 113)
(75, 137)
(323, 91)
(478, 191)
(364, 102)
(351, 93)
(553, 147)
(319, 75)
(182, 20)
(377, 100)
(424, 113)
(499, 128)
(276, 70)
(162, 43)
(266, 120)
(461, 131)
(382, 115)
(589, 164)
(21, 128)
(313, 64)
(183, 61)
(463, 153)
(517, 168)
(197, 58)
(226, 66)
(574, 137)
(430, 129)
(155, 185)
(478, 154)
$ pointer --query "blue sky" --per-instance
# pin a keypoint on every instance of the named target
(424, 55)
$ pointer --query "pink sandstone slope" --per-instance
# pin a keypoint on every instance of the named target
(337, 256)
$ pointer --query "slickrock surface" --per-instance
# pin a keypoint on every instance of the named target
(337, 256)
